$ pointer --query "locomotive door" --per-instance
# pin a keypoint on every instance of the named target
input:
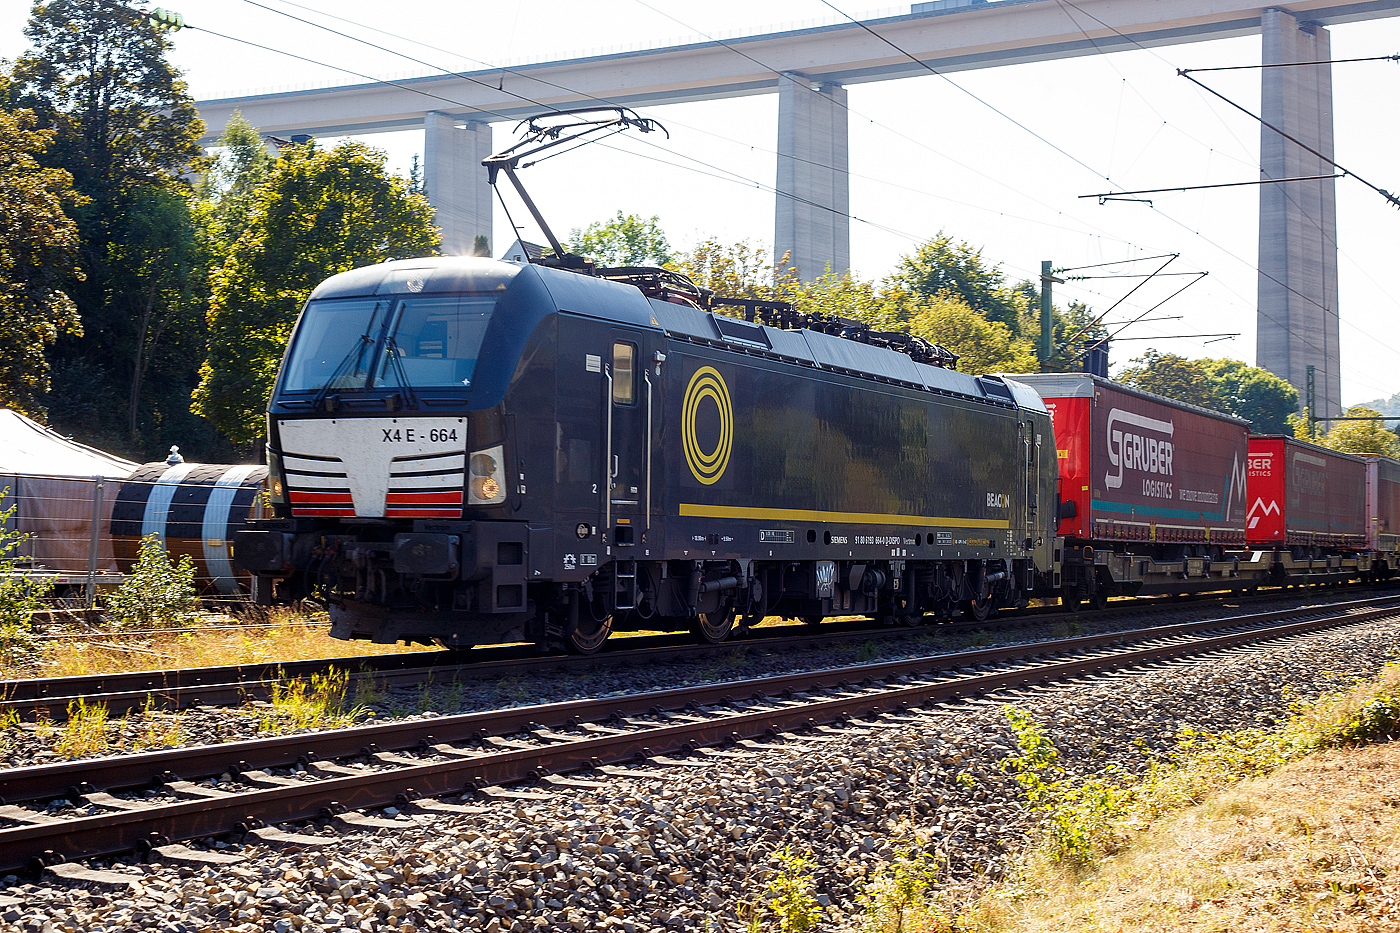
(1030, 479)
(627, 440)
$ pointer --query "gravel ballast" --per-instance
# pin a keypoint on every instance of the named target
(687, 851)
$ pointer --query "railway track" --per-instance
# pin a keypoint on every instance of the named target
(221, 686)
(126, 692)
(409, 763)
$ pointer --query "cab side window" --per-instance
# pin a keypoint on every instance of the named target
(624, 373)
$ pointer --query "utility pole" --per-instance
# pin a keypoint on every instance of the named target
(1047, 322)
(1312, 403)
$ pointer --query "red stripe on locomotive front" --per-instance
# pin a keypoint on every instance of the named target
(434, 496)
(339, 498)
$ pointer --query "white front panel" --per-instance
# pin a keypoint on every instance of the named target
(364, 451)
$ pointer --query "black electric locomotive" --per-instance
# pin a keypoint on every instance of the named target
(471, 451)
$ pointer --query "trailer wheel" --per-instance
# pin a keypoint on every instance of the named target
(713, 627)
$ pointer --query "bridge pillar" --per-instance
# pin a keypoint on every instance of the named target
(1297, 319)
(813, 201)
(455, 180)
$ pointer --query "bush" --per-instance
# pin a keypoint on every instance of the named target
(20, 597)
(155, 593)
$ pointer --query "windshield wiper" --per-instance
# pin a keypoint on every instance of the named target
(352, 358)
(392, 348)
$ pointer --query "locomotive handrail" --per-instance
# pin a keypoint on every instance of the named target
(607, 458)
(647, 503)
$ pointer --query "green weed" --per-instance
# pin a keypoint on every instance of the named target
(1081, 820)
(85, 732)
(1077, 818)
(155, 594)
(452, 694)
(160, 729)
(315, 703)
(789, 895)
(21, 596)
(902, 891)
(369, 689)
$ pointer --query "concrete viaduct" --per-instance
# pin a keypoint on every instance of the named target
(810, 70)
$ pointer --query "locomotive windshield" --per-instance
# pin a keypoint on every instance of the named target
(351, 343)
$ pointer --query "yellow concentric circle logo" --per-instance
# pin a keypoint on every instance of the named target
(709, 466)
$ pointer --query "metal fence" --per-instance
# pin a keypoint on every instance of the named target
(82, 534)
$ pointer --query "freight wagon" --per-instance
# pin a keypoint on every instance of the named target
(1307, 510)
(1383, 514)
(1152, 491)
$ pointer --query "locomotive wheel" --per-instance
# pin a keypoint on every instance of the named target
(978, 610)
(811, 620)
(588, 635)
(1099, 600)
(713, 627)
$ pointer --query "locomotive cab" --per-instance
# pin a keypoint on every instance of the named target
(415, 406)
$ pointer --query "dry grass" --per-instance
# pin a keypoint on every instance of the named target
(285, 640)
(1293, 828)
(1315, 846)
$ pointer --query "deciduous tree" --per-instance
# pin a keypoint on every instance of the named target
(945, 266)
(125, 127)
(319, 213)
(1361, 437)
(122, 116)
(228, 190)
(626, 240)
(983, 346)
(38, 257)
(735, 270)
(1174, 376)
(1253, 393)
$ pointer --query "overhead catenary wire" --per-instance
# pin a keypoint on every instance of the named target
(1242, 302)
(1330, 238)
(1331, 61)
(1117, 195)
(1394, 201)
(1068, 155)
(735, 176)
(751, 182)
(913, 238)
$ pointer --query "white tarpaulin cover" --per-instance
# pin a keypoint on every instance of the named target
(52, 480)
(28, 447)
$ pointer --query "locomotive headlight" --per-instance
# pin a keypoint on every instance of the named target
(276, 492)
(483, 487)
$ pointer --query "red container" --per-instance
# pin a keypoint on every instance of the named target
(1382, 504)
(1302, 494)
(1140, 467)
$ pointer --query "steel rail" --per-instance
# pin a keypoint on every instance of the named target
(182, 688)
(126, 692)
(42, 782)
(466, 770)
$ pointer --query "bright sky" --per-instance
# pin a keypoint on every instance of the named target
(925, 155)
